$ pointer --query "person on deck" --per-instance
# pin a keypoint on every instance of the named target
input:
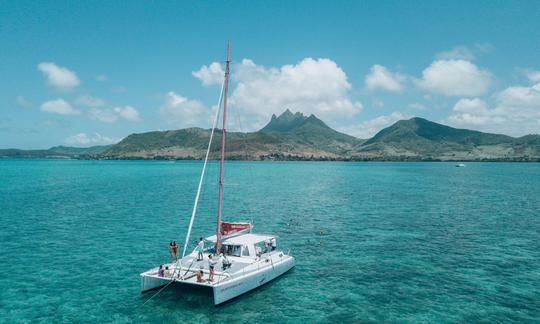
(200, 275)
(161, 271)
(175, 250)
(273, 244)
(211, 265)
(171, 250)
(225, 263)
(200, 249)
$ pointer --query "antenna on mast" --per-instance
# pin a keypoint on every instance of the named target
(222, 161)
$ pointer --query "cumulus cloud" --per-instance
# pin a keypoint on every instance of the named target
(317, 86)
(59, 106)
(83, 139)
(381, 78)
(183, 112)
(516, 112)
(533, 76)
(90, 101)
(59, 77)
(211, 74)
(369, 128)
(455, 78)
(128, 113)
(114, 114)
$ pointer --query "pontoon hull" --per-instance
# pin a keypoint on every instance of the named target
(238, 286)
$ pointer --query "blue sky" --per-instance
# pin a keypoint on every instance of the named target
(87, 73)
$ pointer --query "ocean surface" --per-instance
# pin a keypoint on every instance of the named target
(374, 242)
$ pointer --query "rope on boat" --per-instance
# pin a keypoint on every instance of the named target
(199, 187)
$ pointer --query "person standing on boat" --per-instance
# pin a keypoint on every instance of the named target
(211, 265)
(200, 249)
(171, 250)
(175, 250)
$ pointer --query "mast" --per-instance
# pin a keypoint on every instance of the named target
(222, 161)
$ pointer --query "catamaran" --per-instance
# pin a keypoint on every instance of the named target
(242, 260)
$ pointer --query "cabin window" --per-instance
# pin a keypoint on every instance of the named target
(232, 250)
(245, 251)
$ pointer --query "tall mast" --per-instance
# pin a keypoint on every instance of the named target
(221, 163)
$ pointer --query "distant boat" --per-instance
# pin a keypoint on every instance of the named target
(460, 165)
(245, 260)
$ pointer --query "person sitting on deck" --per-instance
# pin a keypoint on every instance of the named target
(211, 265)
(200, 249)
(161, 271)
(200, 275)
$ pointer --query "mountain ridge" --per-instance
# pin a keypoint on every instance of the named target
(294, 136)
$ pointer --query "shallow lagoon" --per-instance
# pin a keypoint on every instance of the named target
(373, 241)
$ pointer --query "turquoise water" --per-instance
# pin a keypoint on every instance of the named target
(407, 242)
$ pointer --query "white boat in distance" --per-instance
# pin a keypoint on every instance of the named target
(245, 260)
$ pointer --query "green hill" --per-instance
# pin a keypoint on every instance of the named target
(294, 136)
(418, 138)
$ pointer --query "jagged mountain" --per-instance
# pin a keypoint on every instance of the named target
(287, 135)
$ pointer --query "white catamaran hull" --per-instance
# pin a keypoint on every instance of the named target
(230, 289)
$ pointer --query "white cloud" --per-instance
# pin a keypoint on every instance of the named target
(128, 113)
(464, 52)
(369, 128)
(457, 53)
(83, 139)
(59, 77)
(184, 112)
(113, 115)
(101, 77)
(516, 112)
(59, 106)
(209, 75)
(533, 76)
(471, 112)
(381, 78)
(455, 78)
(317, 86)
(90, 101)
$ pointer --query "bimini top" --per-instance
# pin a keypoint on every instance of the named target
(244, 239)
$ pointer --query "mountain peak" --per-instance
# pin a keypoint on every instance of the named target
(289, 121)
(284, 122)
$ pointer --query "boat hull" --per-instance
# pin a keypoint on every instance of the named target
(150, 283)
(233, 288)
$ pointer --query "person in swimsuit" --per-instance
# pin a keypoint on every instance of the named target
(211, 265)
(161, 271)
(200, 275)
(175, 250)
(171, 250)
